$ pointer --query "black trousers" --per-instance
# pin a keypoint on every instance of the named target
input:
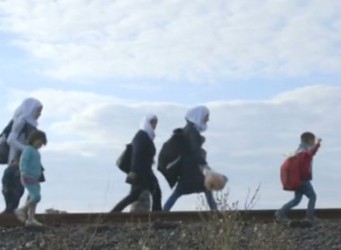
(12, 200)
(135, 192)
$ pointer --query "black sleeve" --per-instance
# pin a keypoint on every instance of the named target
(138, 155)
(195, 147)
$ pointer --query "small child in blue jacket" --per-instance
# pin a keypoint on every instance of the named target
(12, 189)
(31, 173)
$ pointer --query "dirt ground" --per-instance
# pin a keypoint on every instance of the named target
(325, 235)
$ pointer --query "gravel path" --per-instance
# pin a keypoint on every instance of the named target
(210, 235)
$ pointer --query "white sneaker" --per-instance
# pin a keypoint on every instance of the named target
(33, 223)
(21, 214)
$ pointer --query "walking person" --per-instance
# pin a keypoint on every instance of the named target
(191, 179)
(31, 173)
(141, 176)
(308, 147)
(23, 122)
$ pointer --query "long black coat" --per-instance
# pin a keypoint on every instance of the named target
(191, 179)
(11, 181)
(142, 158)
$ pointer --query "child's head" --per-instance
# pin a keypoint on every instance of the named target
(37, 139)
(308, 138)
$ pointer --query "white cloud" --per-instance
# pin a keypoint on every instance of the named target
(309, 95)
(191, 40)
(245, 140)
(60, 102)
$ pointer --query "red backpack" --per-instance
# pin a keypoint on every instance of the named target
(297, 168)
(291, 172)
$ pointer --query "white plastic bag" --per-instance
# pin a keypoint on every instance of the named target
(213, 180)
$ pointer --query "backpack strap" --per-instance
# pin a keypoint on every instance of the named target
(26, 129)
(7, 130)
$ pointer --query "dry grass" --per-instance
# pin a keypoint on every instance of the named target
(221, 231)
(230, 231)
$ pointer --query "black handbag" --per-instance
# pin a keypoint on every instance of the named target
(4, 147)
(4, 151)
(124, 160)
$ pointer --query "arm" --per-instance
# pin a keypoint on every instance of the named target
(12, 139)
(311, 152)
(195, 147)
(24, 160)
(138, 154)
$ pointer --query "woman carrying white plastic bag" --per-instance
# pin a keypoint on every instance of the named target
(192, 179)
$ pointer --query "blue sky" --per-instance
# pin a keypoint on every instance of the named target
(98, 66)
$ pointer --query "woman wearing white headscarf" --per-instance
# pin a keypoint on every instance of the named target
(25, 119)
(142, 176)
(191, 179)
(23, 122)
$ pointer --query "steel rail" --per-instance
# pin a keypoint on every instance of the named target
(9, 220)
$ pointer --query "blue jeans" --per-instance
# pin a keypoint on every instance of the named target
(176, 195)
(307, 190)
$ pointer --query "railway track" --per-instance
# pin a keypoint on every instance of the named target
(185, 217)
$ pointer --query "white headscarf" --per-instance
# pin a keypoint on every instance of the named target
(196, 115)
(27, 111)
(147, 127)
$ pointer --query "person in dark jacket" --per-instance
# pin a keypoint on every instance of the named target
(12, 189)
(191, 179)
(142, 176)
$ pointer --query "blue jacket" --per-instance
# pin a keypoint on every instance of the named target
(191, 179)
(30, 164)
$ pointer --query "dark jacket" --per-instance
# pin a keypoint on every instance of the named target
(11, 181)
(142, 158)
(191, 179)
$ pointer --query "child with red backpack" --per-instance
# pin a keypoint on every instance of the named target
(303, 160)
